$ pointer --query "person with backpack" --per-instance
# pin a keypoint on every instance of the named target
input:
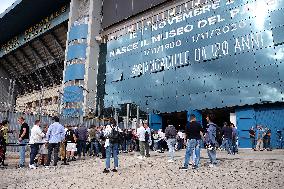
(171, 134)
(148, 140)
(112, 134)
(70, 138)
(210, 140)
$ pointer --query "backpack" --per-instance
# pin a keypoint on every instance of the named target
(147, 136)
(115, 136)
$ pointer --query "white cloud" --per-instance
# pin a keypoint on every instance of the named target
(4, 4)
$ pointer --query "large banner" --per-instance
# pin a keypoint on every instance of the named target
(197, 40)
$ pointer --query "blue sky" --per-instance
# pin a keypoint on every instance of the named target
(4, 4)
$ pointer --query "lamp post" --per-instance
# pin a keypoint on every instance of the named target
(137, 114)
(81, 118)
(127, 114)
(146, 103)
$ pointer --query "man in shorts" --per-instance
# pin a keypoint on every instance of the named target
(71, 143)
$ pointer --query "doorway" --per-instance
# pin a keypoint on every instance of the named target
(178, 119)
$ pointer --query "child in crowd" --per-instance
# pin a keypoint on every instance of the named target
(43, 151)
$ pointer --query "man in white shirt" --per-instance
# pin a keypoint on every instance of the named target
(148, 140)
(141, 136)
(35, 139)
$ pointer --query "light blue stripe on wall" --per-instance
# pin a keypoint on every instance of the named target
(73, 94)
(78, 32)
(72, 111)
(76, 51)
(74, 71)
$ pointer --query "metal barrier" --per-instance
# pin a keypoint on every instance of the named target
(30, 119)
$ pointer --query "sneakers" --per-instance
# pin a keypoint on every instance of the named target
(183, 168)
(114, 170)
(21, 166)
(105, 171)
(171, 161)
(211, 165)
(140, 157)
(194, 167)
(32, 166)
(46, 167)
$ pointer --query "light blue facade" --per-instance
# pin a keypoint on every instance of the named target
(228, 56)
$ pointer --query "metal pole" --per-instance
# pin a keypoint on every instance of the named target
(137, 114)
(9, 96)
(40, 101)
(115, 116)
(99, 108)
(59, 103)
(148, 116)
(127, 115)
(12, 96)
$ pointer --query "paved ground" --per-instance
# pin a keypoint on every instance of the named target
(245, 170)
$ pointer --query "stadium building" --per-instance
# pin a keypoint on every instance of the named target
(155, 59)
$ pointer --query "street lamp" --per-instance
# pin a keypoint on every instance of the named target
(146, 103)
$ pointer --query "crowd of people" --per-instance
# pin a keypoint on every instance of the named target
(70, 143)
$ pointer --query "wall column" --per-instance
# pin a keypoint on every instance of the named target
(81, 58)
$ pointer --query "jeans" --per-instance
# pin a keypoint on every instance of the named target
(252, 140)
(228, 145)
(212, 156)
(22, 151)
(142, 148)
(147, 148)
(259, 145)
(94, 148)
(81, 147)
(234, 146)
(34, 151)
(171, 145)
(266, 142)
(112, 149)
(124, 145)
(192, 145)
(51, 147)
(156, 145)
(180, 144)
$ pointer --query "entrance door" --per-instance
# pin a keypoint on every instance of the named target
(155, 121)
(245, 120)
(177, 119)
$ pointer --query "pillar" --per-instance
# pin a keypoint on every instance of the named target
(81, 58)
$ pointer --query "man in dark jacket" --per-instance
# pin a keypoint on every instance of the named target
(227, 135)
(82, 136)
(210, 140)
